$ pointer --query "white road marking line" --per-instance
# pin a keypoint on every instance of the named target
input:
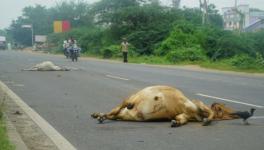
(61, 142)
(19, 85)
(9, 82)
(116, 77)
(257, 117)
(229, 100)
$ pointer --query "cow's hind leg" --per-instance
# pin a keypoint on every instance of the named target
(205, 112)
(180, 119)
(112, 115)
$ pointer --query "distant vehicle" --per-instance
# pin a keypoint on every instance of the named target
(75, 53)
(2, 42)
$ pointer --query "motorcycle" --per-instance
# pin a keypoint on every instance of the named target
(67, 52)
(75, 53)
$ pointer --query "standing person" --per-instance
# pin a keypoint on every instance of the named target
(65, 47)
(70, 47)
(124, 49)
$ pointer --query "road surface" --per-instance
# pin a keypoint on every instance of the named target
(66, 100)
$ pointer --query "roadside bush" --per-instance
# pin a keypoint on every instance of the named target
(258, 39)
(219, 44)
(245, 61)
(111, 51)
(182, 36)
(115, 51)
(259, 59)
(186, 54)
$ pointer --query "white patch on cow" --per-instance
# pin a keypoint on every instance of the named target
(190, 104)
(147, 107)
(128, 114)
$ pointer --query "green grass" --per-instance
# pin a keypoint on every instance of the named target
(4, 141)
(149, 60)
(224, 65)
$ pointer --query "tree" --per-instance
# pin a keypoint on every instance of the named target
(20, 35)
(38, 16)
(105, 8)
(214, 18)
(42, 19)
(78, 13)
(144, 26)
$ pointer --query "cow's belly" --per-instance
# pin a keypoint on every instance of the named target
(139, 115)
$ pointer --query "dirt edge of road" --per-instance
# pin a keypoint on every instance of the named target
(31, 133)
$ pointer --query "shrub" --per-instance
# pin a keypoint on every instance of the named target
(245, 61)
(115, 51)
(259, 59)
(258, 39)
(111, 51)
(186, 54)
(182, 36)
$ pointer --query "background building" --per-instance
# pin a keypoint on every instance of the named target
(232, 17)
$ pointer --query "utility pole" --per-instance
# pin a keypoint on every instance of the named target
(176, 3)
(204, 9)
(241, 17)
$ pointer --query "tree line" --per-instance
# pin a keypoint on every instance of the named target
(151, 29)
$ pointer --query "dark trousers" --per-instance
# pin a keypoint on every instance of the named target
(125, 57)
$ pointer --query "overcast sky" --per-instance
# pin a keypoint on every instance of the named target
(11, 9)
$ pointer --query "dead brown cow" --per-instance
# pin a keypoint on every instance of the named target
(165, 103)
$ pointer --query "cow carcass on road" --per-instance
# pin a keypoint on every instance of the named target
(49, 66)
(165, 103)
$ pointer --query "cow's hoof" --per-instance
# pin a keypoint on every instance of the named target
(94, 115)
(100, 119)
(174, 124)
(206, 122)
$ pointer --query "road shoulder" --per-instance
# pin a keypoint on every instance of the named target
(35, 132)
(14, 136)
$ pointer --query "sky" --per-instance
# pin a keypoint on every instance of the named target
(11, 9)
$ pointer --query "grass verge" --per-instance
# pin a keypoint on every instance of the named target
(4, 141)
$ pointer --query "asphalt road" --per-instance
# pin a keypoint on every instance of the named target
(66, 100)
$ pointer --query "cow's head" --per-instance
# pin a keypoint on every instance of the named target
(222, 112)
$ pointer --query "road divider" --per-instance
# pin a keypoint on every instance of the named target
(116, 77)
(229, 100)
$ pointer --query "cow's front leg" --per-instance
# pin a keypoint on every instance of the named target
(180, 119)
